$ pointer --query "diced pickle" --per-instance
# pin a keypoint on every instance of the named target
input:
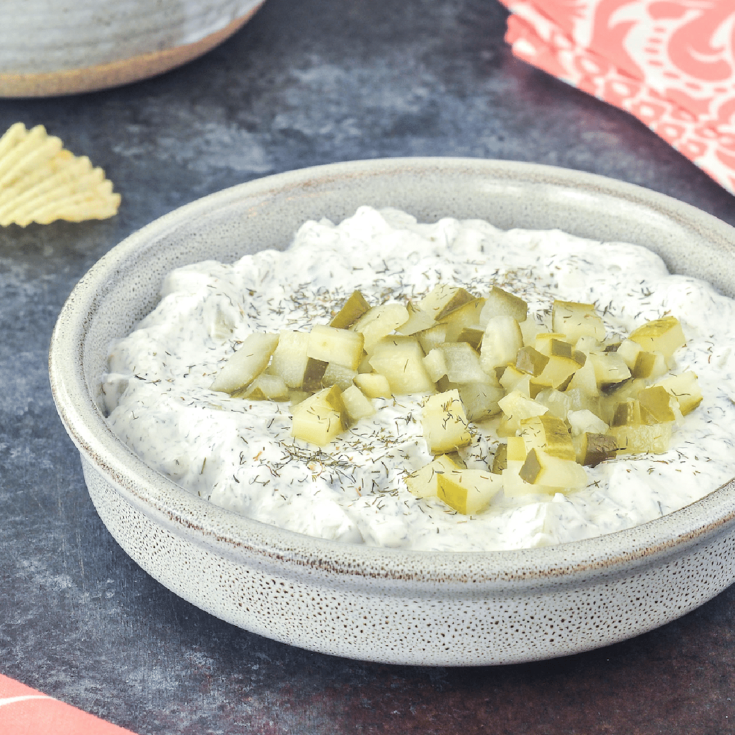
(596, 448)
(443, 299)
(468, 491)
(576, 320)
(654, 438)
(264, 388)
(313, 375)
(502, 303)
(338, 375)
(400, 359)
(379, 322)
(423, 483)
(445, 423)
(548, 434)
(357, 404)
(340, 346)
(373, 385)
(500, 460)
(290, 359)
(467, 315)
(320, 418)
(685, 388)
(500, 343)
(249, 361)
(480, 399)
(355, 306)
(656, 406)
(660, 335)
(541, 468)
(529, 360)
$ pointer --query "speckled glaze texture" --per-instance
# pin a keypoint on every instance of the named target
(53, 47)
(383, 604)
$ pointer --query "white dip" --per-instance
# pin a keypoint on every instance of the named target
(240, 455)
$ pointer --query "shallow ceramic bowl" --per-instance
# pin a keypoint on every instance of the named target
(391, 605)
(52, 47)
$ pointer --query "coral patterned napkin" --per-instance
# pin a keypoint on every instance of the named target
(24, 711)
(671, 63)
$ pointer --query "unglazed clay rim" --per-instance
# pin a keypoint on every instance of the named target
(117, 73)
(239, 537)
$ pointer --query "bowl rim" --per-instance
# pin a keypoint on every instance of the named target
(252, 542)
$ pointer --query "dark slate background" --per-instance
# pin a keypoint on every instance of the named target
(303, 83)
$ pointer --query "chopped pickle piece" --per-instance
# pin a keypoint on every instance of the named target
(585, 421)
(313, 375)
(656, 405)
(649, 365)
(473, 336)
(557, 372)
(629, 350)
(480, 400)
(609, 367)
(558, 402)
(379, 322)
(340, 346)
(290, 359)
(530, 329)
(627, 413)
(640, 438)
(356, 403)
(373, 385)
(548, 434)
(500, 343)
(541, 468)
(467, 315)
(468, 491)
(543, 341)
(513, 379)
(500, 460)
(514, 486)
(264, 388)
(355, 306)
(246, 363)
(444, 299)
(338, 375)
(320, 418)
(530, 361)
(431, 338)
(424, 482)
(502, 303)
(401, 360)
(516, 449)
(516, 407)
(418, 321)
(463, 364)
(596, 448)
(576, 320)
(436, 364)
(685, 388)
(445, 423)
(660, 335)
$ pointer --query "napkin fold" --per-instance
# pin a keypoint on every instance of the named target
(670, 63)
(25, 711)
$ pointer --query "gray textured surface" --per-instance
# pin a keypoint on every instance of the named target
(302, 84)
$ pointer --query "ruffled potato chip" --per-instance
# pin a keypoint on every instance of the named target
(41, 181)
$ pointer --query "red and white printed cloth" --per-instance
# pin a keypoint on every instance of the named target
(25, 711)
(671, 63)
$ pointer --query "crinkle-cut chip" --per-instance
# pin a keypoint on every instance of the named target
(41, 181)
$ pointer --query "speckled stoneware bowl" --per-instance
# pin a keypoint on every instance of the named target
(53, 47)
(385, 604)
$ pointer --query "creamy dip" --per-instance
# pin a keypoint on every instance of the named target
(240, 455)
